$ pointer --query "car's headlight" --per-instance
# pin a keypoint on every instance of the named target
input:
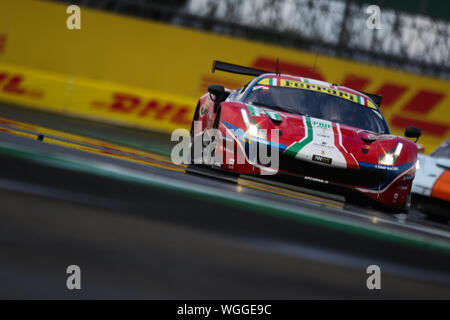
(386, 159)
(389, 158)
(253, 129)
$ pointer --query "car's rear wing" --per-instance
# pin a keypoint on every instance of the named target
(234, 68)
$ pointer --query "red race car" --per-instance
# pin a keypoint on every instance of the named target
(316, 134)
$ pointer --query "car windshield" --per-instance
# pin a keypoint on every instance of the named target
(318, 105)
(443, 151)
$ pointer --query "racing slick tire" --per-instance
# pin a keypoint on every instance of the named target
(216, 127)
(192, 134)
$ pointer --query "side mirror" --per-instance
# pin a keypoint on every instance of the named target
(219, 93)
(217, 90)
(413, 132)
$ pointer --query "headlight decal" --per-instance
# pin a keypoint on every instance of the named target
(241, 135)
(252, 128)
(392, 172)
(398, 149)
(245, 117)
(389, 158)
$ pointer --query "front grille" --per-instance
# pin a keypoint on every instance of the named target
(361, 178)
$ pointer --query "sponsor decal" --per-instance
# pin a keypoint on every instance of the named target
(325, 136)
(140, 107)
(316, 179)
(388, 168)
(255, 111)
(13, 83)
(273, 82)
(323, 145)
(270, 82)
(372, 136)
(309, 85)
(315, 143)
(321, 124)
(295, 148)
(322, 159)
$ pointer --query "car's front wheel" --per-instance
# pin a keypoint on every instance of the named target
(192, 133)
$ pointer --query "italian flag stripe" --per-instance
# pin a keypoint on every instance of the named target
(361, 100)
(296, 147)
(274, 116)
(273, 82)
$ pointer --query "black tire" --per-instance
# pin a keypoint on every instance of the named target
(357, 200)
(216, 127)
(195, 118)
(390, 210)
(217, 119)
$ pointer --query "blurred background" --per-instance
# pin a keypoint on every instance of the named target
(129, 53)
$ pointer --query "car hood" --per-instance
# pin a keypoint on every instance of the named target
(321, 141)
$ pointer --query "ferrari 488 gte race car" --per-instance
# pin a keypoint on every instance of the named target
(431, 187)
(326, 136)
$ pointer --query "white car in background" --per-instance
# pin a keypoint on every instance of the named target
(431, 186)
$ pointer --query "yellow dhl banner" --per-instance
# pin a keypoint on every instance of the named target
(177, 61)
(95, 100)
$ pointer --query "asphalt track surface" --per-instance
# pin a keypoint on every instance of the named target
(142, 227)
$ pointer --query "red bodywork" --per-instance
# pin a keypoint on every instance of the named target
(361, 171)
